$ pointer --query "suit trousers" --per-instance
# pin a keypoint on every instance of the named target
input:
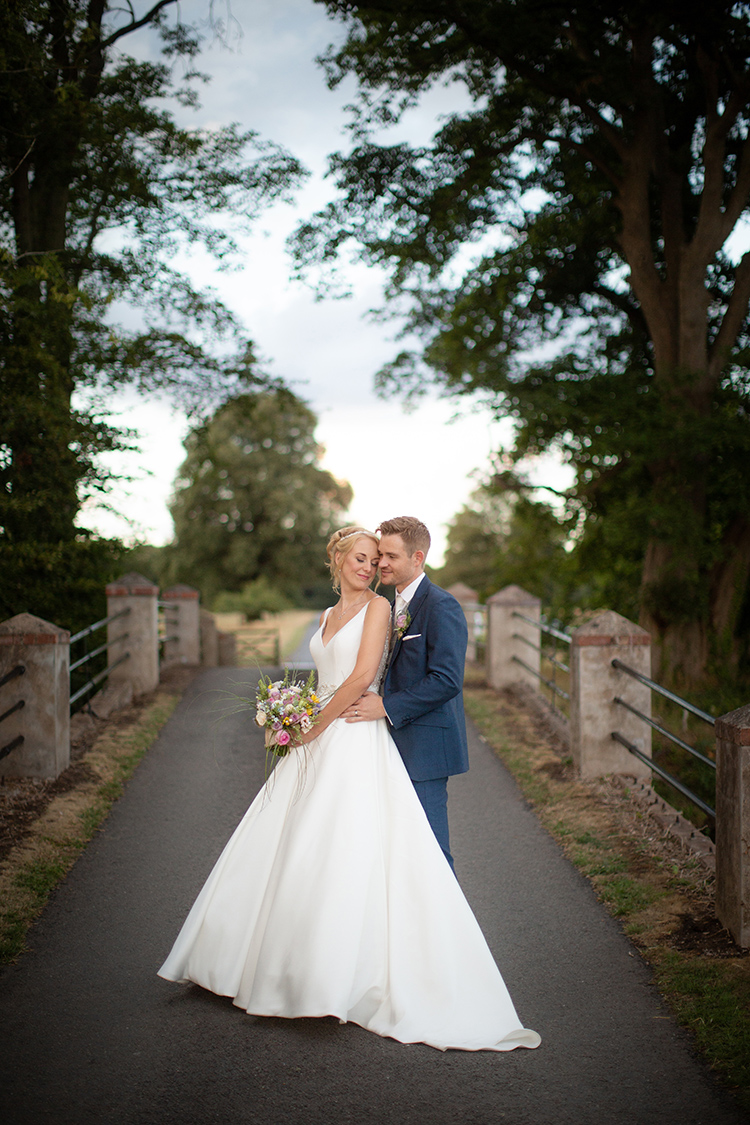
(433, 796)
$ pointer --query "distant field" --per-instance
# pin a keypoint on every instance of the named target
(290, 626)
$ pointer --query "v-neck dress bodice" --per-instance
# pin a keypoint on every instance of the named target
(335, 658)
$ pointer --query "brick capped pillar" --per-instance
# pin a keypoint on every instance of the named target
(502, 645)
(733, 823)
(594, 684)
(182, 625)
(136, 594)
(43, 650)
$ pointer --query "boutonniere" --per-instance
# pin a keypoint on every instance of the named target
(401, 622)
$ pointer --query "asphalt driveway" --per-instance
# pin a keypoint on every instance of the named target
(91, 1036)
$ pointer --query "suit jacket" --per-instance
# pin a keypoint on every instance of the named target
(423, 686)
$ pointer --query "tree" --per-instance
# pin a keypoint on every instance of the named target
(251, 500)
(99, 190)
(604, 163)
(503, 537)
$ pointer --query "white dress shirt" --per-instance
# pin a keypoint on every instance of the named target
(408, 593)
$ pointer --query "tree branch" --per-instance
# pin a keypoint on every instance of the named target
(734, 317)
(529, 74)
(607, 129)
(24, 158)
(606, 169)
(739, 195)
(135, 24)
(714, 222)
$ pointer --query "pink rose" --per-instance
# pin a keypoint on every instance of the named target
(283, 737)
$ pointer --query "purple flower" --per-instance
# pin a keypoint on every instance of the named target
(402, 622)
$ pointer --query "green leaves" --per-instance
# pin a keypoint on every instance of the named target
(101, 190)
(559, 250)
(251, 499)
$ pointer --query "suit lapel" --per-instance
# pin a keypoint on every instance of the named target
(416, 602)
(414, 607)
(396, 643)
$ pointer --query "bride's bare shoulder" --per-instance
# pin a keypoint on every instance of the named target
(379, 605)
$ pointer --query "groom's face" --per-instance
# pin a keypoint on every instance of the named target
(397, 567)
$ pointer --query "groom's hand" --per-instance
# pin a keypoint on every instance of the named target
(365, 709)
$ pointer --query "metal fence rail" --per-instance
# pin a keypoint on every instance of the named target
(97, 651)
(668, 777)
(14, 672)
(684, 703)
(97, 679)
(667, 733)
(18, 706)
(551, 631)
(550, 683)
(10, 746)
(686, 706)
(98, 625)
(83, 635)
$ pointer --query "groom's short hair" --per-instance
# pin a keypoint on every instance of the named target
(413, 532)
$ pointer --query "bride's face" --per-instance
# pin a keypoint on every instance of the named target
(360, 565)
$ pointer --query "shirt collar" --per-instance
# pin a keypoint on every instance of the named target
(409, 591)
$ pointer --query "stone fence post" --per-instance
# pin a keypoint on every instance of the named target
(733, 823)
(209, 640)
(43, 721)
(141, 669)
(182, 613)
(502, 645)
(227, 650)
(594, 684)
(467, 599)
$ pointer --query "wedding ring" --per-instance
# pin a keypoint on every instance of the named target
(356, 712)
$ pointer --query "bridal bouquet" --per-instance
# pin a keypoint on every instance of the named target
(285, 708)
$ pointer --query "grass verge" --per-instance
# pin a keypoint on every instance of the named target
(36, 865)
(661, 896)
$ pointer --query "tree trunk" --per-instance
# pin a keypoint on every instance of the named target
(693, 611)
(690, 603)
(38, 432)
(679, 637)
(40, 500)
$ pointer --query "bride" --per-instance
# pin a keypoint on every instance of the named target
(333, 897)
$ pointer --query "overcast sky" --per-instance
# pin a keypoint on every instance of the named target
(398, 463)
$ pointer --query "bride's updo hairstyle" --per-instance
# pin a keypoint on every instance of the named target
(341, 543)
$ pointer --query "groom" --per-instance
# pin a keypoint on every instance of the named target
(422, 691)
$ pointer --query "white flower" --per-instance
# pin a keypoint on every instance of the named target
(260, 717)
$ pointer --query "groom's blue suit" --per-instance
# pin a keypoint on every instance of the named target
(422, 696)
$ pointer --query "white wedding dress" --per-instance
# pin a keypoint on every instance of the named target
(333, 898)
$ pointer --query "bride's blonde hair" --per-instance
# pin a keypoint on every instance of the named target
(341, 543)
